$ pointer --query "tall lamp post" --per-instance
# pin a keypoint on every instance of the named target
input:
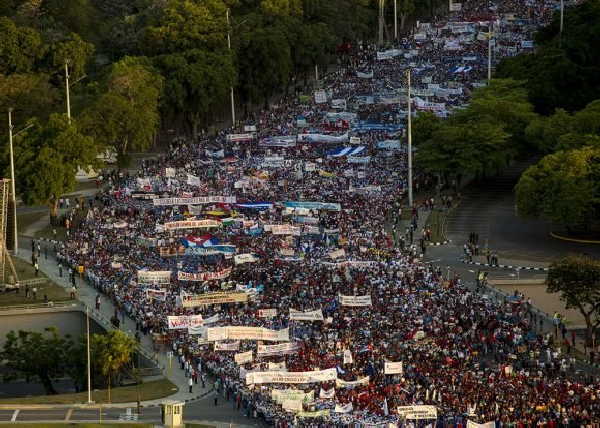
(12, 179)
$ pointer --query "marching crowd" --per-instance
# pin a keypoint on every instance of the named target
(295, 212)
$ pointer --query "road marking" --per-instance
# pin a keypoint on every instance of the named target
(14, 416)
(68, 416)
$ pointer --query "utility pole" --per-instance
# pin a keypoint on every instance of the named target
(381, 22)
(12, 182)
(231, 89)
(316, 73)
(89, 369)
(395, 19)
(410, 177)
(67, 87)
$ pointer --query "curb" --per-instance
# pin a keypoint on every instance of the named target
(94, 406)
(505, 266)
(577, 241)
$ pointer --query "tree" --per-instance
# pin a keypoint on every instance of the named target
(196, 82)
(405, 9)
(21, 48)
(564, 188)
(577, 279)
(47, 157)
(29, 95)
(113, 351)
(188, 24)
(423, 127)
(73, 50)
(266, 62)
(37, 354)
(126, 116)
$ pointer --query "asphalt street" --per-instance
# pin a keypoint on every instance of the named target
(488, 208)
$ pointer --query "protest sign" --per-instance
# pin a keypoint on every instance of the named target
(243, 357)
(355, 301)
(277, 350)
(154, 277)
(417, 412)
(203, 276)
(267, 313)
(195, 300)
(175, 322)
(291, 377)
(316, 315)
(393, 368)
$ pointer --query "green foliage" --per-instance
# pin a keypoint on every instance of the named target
(73, 50)
(20, 47)
(479, 140)
(126, 116)
(267, 61)
(38, 355)
(577, 279)
(47, 157)
(197, 81)
(188, 24)
(563, 187)
(562, 73)
(112, 352)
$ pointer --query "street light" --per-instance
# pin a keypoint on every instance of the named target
(12, 177)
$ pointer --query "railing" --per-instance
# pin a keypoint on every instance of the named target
(48, 305)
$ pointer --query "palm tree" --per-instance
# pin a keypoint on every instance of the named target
(113, 351)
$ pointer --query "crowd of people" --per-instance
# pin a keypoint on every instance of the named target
(286, 225)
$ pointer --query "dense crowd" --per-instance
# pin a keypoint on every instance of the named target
(300, 213)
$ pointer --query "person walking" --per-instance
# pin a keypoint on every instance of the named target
(36, 266)
(60, 270)
(190, 384)
(34, 292)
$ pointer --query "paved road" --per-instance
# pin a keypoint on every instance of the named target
(489, 209)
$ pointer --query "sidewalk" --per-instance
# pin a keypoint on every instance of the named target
(87, 295)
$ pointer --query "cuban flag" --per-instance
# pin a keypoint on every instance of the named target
(204, 241)
(345, 151)
(461, 69)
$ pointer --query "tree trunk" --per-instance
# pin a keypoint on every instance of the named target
(589, 328)
(47, 382)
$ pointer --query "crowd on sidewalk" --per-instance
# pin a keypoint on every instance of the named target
(265, 256)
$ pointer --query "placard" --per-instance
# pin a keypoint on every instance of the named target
(192, 301)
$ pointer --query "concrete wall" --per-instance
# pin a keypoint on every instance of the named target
(67, 320)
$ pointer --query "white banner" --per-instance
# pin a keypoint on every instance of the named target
(337, 254)
(195, 201)
(154, 276)
(367, 75)
(191, 224)
(320, 97)
(327, 395)
(192, 180)
(282, 229)
(356, 301)
(348, 357)
(471, 424)
(244, 258)
(340, 383)
(292, 405)
(170, 172)
(316, 315)
(184, 321)
(203, 276)
(281, 395)
(247, 333)
(389, 54)
(239, 137)
(393, 368)
(243, 357)
(340, 104)
(267, 313)
(417, 412)
(279, 349)
(220, 346)
(291, 377)
(346, 408)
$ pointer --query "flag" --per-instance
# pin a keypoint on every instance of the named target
(386, 411)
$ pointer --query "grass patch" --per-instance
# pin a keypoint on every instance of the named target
(436, 222)
(25, 220)
(53, 291)
(126, 394)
